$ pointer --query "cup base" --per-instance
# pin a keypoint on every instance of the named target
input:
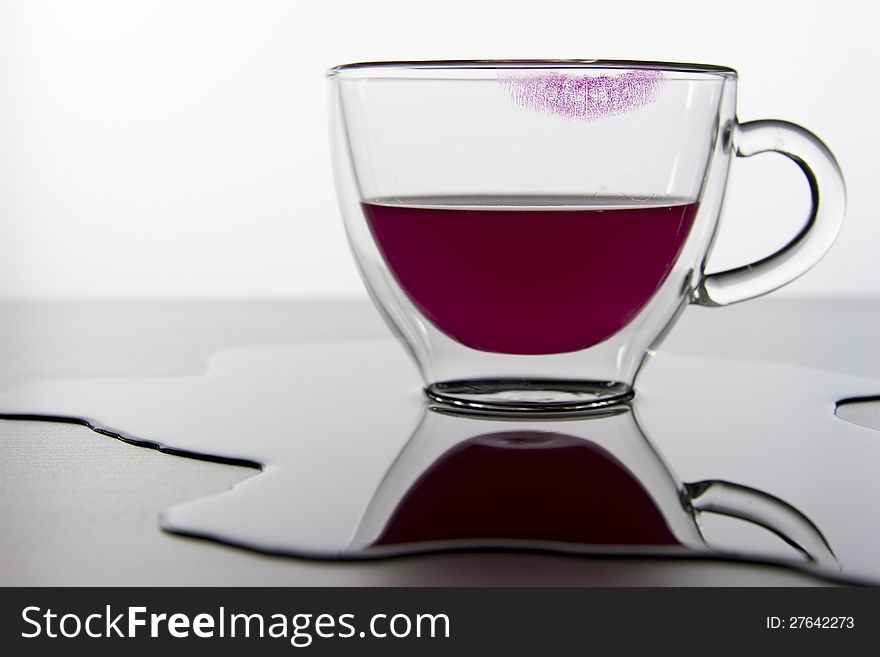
(529, 397)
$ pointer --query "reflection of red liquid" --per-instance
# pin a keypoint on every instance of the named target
(520, 279)
(525, 485)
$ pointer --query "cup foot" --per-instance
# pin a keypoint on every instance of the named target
(529, 397)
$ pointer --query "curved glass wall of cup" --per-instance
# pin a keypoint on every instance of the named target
(502, 136)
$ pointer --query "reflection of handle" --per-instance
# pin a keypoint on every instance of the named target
(762, 509)
(808, 247)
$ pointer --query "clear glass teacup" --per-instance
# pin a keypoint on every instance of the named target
(593, 484)
(532, 229)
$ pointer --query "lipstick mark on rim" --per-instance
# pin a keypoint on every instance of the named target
(585, 97)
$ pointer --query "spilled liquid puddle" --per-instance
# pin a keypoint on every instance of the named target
(521, 485)
(715, 458)
(863, 412)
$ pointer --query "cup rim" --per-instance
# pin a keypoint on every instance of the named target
(411, 68)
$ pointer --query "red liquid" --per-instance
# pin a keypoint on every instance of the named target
(529, 276)
(531, 486)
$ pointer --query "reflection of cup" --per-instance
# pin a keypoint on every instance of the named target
(593, 484)
(531, 229)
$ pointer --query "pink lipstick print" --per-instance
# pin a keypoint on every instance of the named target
(585, 97)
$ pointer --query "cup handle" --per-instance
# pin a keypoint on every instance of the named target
(767, 511)
(815, 238)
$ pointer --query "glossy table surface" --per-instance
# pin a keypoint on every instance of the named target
(82, 508)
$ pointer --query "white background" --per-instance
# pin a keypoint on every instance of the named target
(178, 148)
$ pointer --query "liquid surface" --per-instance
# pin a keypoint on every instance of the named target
(529, 275)
(354, 465)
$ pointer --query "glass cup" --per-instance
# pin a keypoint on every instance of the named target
(595, 484)
(531, 230)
